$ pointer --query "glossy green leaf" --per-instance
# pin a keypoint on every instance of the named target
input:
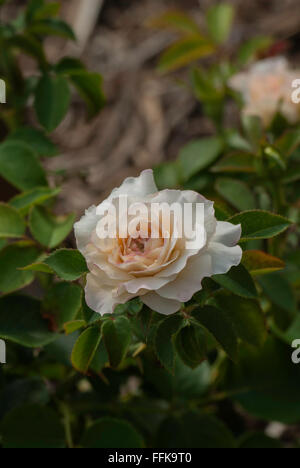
(52, 100)
(117, 339)
(52, 27)
(177, 20)
(68, 264)
(23, 391)
(251, 48)
(236, 163)
(37, 139)
(258, 440)
(89, 86)
(48, 229)
(266, 381)
(193, 429)
(260, 263)
(220, 326)
(36, 196)
(219, 21)
(289, 142)
(164, 346)
(11, 223)
(191, 346)
(62, 303)
(246, 317)
(185, 51)
(32, 426)
(167, 176)
(112, 433)
(74, 325)
(197, 155)
(12, 258)
(237, 193)
(278, 289)
(20, 167)
(21, 322)
(85, 349)
(238, 281)
(259, 224)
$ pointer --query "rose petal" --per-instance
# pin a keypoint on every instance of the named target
(223, 257)
(160, 304)
(136, 186)
(189, 280)
(85, 227)
(227, 233)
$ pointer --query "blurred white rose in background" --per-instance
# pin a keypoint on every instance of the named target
(267, 88)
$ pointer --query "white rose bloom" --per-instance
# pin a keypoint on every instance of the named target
(267, 88)
(162, 271)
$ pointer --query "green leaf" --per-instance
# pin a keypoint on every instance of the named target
(37, 139)
(167, 176)
(23, 391)
(278, 289)
(251, 48)
(238, 281)
(258, 440)
(20, 167)
(36, 196)
(236, 163)
(11, 223)
(74, 325)
(112, 433)
(85, 349)
(190, 344)
(219, 21)
(62, 303)
(253, 129)
(22, 323)
(69, 65)
(48, 229)
(197, 155)
(177, 20)
(163, 340)
(266, 382)
(52, 27)
(116, 334)
(236, 193)
(246, 317)
(259, 224)
(185, 51)
(261, 263)
(39, 10)
(68, 264)
(204, 87)
(193, 429)
(220, 326)
(13, 257)
(288, 142)
(89, 86)
(32, 426)
(52, 101)
(30, 46)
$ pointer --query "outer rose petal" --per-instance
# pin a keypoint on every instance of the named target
(160, 304)
(223, 257)
(227, 233)
(136, 186)
(85, 227)
(101, 298)
(151, 283)
(189, 280)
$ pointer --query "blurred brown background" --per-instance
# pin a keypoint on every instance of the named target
(148, 116)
